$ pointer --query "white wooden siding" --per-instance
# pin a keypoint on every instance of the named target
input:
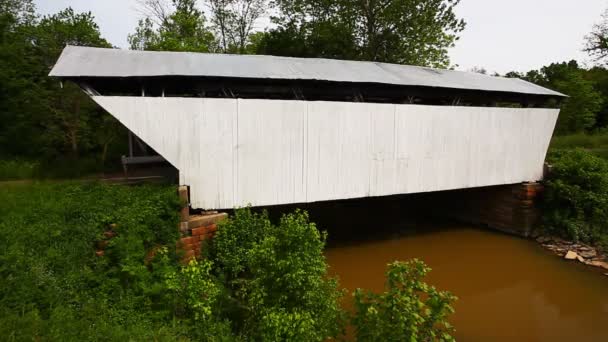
(235, 152)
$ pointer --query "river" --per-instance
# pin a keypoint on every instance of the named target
(509, 288)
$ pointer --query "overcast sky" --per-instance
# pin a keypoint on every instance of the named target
(501, 35)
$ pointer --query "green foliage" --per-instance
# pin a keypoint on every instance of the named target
(46, 122)
(261, 281)
(236, 237)
(576, 196)
(183, 30)
(580, 110)
(598, 76)
(277, 276)
(55, 287)
(409, 310)
(415, 32)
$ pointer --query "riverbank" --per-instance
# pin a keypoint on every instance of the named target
(575, 251)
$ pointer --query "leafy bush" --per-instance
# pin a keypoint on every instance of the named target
(409, 310)
(277, 275)
(576, 196)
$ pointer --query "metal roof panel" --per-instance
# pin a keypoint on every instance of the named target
(77, 61)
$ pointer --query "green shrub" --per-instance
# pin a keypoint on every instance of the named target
(55, 288)
(409, 310)
(278, 276)
(576, 196)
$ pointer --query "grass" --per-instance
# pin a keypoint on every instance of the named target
(15, 169)
(596, 143)
(66, 168)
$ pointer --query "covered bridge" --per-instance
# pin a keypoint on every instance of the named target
(265, 130)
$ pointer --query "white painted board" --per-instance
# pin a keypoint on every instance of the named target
(238, 152)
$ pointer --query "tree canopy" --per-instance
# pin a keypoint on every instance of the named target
(597, 40)
(47, 121)
(184, 29)
(416, 32)
(580, 110)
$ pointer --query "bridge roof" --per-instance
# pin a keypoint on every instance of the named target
(78, 61)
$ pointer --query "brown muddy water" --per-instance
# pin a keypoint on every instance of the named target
(509, 288)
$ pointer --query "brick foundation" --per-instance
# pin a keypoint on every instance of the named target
(508, 208)
(195, 229)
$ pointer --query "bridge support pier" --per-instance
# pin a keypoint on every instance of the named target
(508, 208)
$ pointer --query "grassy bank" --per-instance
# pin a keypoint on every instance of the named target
(597, 144)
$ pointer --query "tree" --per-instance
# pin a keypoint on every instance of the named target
(416, 32)
(71, 113)
(234, 20)
(157, 11)
(598, 76)
(20, 12)
(184, 29)
(580, 110)
(145, 37)
(19, 78)
(45, 120)
(597, 40)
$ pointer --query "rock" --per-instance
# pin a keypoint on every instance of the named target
(580, 258)
(590, 253)
(543, 239)
(601, 264)
(571, 255)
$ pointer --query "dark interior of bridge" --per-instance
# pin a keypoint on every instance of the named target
(310, 90)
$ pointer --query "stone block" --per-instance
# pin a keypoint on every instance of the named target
(197, 221)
